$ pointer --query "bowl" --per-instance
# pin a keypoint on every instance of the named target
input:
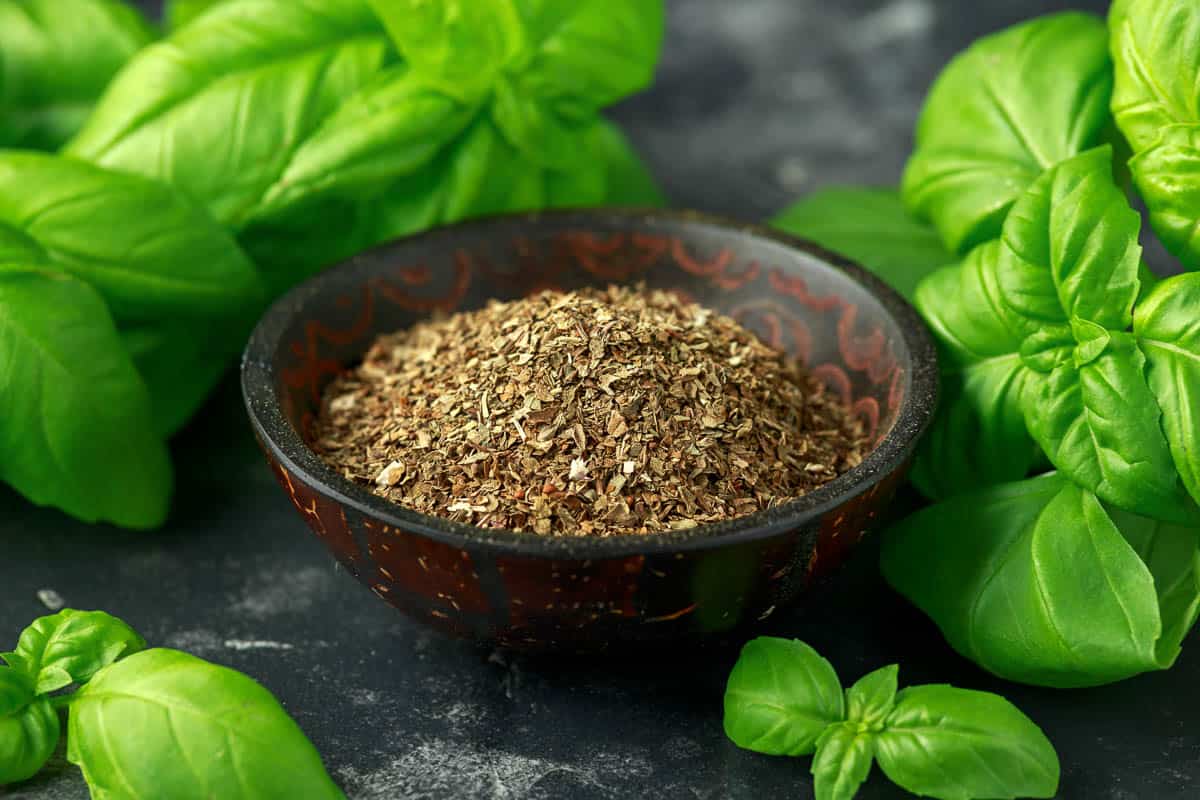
(527, 591)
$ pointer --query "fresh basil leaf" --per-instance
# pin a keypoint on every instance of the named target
(1045, 590)
(983, 380)
(781, 697)
(235, 93)
(29, 728)
(71, 647)
(872, 227)
(1168, 332)
(1172, 554)
(628, 182)
(1167, 175)
(54, 63)
(843, 762)
(202, 731)
(160, 262)
(75, 431)
(1073, 242)
(1156, 50)
(178, 13)
(958, 744)
(870, 700)
(1012, 105)
(1100, 425)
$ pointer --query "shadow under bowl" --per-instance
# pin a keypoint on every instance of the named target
(585, 594)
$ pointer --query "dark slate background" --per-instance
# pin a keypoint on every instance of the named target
(757, 102)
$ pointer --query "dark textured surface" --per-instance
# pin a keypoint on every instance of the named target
(758, 101)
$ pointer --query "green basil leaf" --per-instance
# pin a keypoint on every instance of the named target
(202, 731)
(1012, 105)
(178, 13)
(71, 647)
(628, 181)
(870, 700)
(781, 697)
(1168, 333)
(1156, 50)
(842, 763)
(234, 94)
(1100, 425)
(958, 744)
(1172, 554)
(1167, 176)
(75, 430)
(1045, 590)
(872, 227)
(55, 63)
(983, 380)
(29, 728)
(160, 262)
(1073, 241)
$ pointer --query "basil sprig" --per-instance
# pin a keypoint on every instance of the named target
(147, 723)
(785, 699)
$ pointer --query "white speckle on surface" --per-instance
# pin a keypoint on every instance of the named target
(436, 768)
(900, 20)
(792, 173)
(197, 643)
(51, 599)
(256, 644)
(275, 593)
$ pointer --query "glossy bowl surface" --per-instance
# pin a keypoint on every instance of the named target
(528, 591)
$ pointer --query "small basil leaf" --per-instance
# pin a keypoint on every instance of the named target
(870, 700)
(1100, 425)
(74, 430)
(1156, 48)
(1012, 105)
(1168, 332)
(1167, 175)
(872, 227)
(1045, 590)
(842, 763)
(958, 744)
(1073, 242)
(72, 646)
(203, 731)
(781, 697)
(964, 307)
(55, 65)
(29, 728)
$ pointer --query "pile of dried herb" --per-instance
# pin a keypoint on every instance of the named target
(585, 413)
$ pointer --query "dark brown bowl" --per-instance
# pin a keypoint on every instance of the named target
(586, 593)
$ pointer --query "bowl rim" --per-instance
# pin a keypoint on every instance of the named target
(287, 446)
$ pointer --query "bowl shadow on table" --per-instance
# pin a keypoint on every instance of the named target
(588, 593)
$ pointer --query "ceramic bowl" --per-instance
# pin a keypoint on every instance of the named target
(523, 590)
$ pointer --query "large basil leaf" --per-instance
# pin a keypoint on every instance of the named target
(1167, 175)
(872, 227)
(75, 430)
(1071, 248)
(781, 697)
(1045, 589)
(956, 743)
(29, 728)
(203, 731)
(178, 13)
(70, 647)
(1156, 51)
(983, 381)
(628, 182)
(165, 268)
(842, 763)
(55, 62)
(1167, 327)
(1010, 106)
(1100, 425)
(233, 95)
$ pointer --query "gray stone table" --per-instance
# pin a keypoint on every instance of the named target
(757, 102)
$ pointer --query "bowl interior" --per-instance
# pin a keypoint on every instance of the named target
(853, 333)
